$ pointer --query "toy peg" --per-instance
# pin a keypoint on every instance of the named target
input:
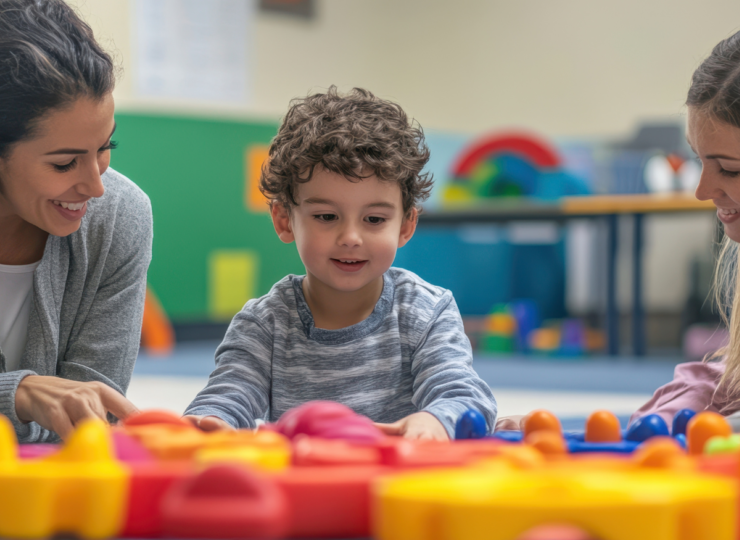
(603, 426)
(703, 427)
(471, 425)
(8, 442)
(90, 443)
(549, 442)
(681, 420)
(648, 426)
(660, 453)
(541, 420)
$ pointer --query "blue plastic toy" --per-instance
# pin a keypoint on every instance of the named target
(648, 426)
(681, 420)
(471, 425)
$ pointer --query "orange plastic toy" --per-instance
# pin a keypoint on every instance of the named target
(603, 427)
(157, 335)
(703, 427)
(541, 420)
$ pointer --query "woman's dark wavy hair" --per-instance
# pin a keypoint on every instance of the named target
(48, 59)
(356, 135)
(715, 85)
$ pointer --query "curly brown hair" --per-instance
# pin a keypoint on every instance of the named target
(356, 135)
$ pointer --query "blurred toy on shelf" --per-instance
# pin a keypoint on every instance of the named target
(510, 165)
(516, 327)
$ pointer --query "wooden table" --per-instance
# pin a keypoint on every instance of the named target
(607, 207)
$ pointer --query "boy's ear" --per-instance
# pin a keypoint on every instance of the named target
(408, 227)
(281, 222)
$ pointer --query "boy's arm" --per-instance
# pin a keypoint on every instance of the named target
(445, 383)
(238, 389)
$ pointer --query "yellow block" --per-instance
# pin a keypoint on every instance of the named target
(81, 490)
(232, 280)
(266, 458)
(254, 159)
(175, 442)
(476, 504)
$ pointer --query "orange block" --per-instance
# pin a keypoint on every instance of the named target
(255, 158)
(703, 427)
(157, 334)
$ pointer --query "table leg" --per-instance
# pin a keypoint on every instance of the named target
(638, 310)
(612, 314)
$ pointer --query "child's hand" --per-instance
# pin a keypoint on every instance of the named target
(209, 423)
(421, 426)
(510, 423)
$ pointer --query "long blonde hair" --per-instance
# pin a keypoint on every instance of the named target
(725, 287)
(715, 90)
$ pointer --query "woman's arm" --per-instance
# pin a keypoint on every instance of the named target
(103, 342)
(693, 387)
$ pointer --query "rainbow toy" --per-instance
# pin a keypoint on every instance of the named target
(510, 164)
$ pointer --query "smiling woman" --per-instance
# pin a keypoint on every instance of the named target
(75, 236)
(714, 134)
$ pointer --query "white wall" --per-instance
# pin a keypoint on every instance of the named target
(567, 68)
(574, 67)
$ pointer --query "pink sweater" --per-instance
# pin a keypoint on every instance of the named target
(694, 386)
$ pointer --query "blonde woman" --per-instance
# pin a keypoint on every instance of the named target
(714, 134)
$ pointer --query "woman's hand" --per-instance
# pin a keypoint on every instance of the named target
(208, 423)
(60, 404)
(421, 426)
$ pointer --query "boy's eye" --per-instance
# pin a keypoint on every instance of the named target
(67, 167)
(326, 217)
(375, 220)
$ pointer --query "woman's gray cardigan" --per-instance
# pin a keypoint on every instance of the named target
(88, 300)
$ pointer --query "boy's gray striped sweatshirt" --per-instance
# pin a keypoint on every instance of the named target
(409, 355)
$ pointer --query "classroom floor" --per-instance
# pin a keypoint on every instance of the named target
(570, 388)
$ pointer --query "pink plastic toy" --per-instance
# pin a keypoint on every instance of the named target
(328, 420)
(31, 451)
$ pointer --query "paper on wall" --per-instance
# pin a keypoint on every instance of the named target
(193, 49)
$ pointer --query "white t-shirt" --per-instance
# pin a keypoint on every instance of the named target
(16, 284)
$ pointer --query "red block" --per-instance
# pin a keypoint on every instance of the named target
(329, 501)
(149, 484)
(312, 451)
(225, 501)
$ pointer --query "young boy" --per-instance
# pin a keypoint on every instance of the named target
(344, 181)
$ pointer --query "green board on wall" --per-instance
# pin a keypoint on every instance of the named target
(194, 172)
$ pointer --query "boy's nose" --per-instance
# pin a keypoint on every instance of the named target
(350, 237)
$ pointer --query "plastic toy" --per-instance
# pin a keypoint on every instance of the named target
(702, 427)
(158, 475)
(603, 427)
(648, 426)
(169, 438)
(602, 432)
(328, 420)
(541, 420)
(80, 490)
(681, 421)
(225, 502)
(510, 165)
(502, 504)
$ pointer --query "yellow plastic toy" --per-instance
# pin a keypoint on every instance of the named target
(502, 503)
(182, 442)
(81, 490)
(266, 450)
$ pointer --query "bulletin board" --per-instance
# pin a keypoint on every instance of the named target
(214, 244)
